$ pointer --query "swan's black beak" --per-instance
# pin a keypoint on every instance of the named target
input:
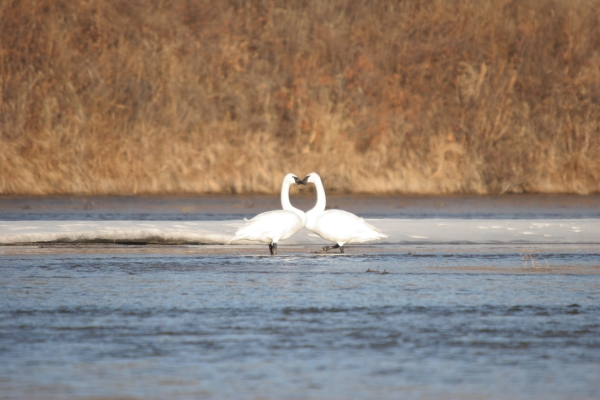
(298, 181)
(305, 180)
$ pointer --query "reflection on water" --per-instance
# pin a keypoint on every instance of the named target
(298, 326)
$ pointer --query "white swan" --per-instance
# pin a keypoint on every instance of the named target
(337, 226)
(273, 226)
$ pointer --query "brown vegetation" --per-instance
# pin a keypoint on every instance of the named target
(199, 96)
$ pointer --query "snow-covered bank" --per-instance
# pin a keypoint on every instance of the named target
(204, 232)
(400, 231)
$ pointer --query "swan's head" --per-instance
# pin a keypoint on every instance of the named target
(313, 177)
(291, 179)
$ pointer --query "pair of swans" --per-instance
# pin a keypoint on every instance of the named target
(338, 226)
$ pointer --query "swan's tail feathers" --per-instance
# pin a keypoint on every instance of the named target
(234, 239)
(240, 233)
(381, 235)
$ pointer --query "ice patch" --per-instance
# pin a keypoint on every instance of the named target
(219, 232)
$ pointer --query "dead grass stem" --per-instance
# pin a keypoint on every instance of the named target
(531, 261)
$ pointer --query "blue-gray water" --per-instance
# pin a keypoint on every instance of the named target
(214, 208)
(208, 322)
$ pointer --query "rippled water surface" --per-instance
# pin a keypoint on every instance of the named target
(446, 321)
(297, 326)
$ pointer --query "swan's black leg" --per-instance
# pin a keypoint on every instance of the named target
(326, 248)
(273, 248)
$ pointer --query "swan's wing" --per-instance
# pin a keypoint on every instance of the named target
(269, 226)
(361, 224)
(344, 227)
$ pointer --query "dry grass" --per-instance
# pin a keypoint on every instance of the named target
(459, 96)
(376, 271)
(531, 263)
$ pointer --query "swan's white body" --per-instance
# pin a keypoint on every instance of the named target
(337, 226)
(272, 226)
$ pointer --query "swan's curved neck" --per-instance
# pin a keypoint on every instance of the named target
(321, 201)
(285, 200)
(285, 197)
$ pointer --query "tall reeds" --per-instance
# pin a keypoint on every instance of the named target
(430, 96)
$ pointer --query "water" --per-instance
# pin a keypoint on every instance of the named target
(218, 208)
(214, 322)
